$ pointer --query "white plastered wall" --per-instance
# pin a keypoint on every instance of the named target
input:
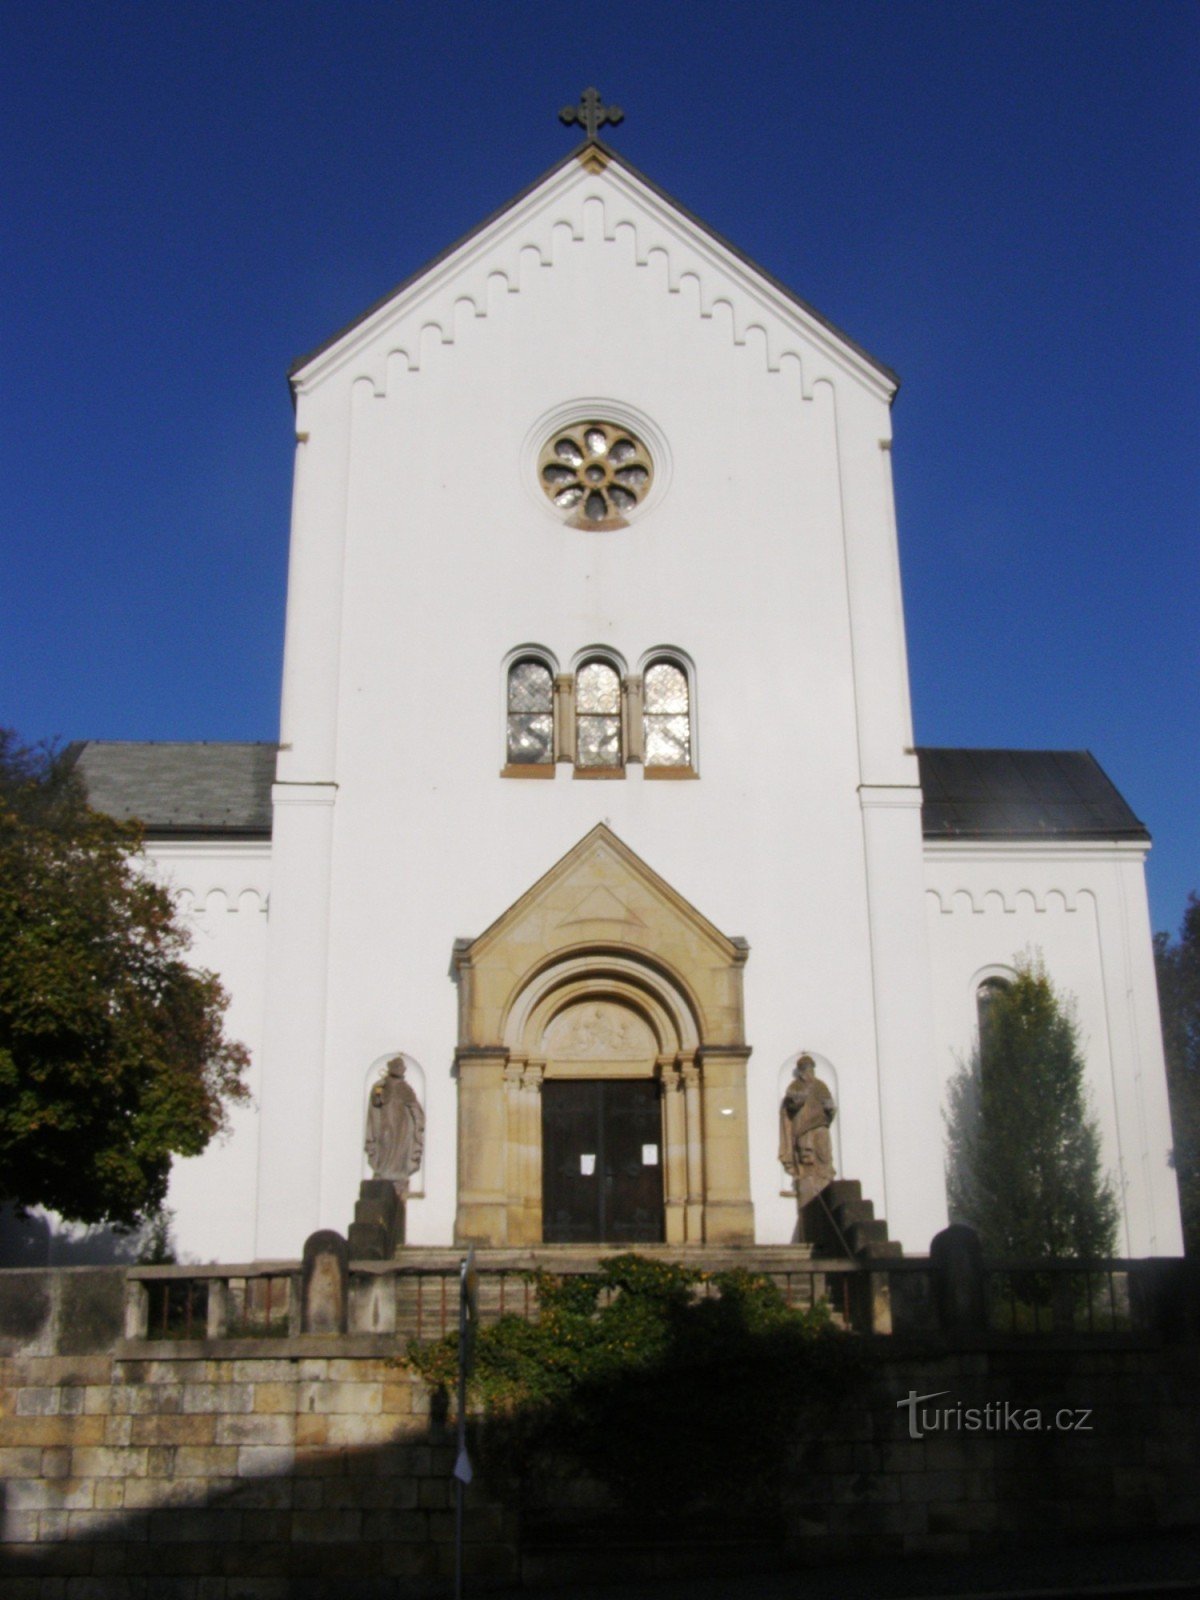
(221, 889)
(1082, 909)
(423, 552)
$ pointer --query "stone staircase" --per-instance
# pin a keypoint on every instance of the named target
(839, 1222)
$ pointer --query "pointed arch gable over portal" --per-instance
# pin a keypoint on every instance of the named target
(602, 973)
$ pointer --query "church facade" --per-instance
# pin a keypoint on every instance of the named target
(596, 798)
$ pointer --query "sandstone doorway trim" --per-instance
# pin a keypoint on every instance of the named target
(600, 970)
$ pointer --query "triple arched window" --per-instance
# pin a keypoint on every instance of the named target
(599, 717)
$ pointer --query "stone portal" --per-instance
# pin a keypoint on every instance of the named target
(602, 975)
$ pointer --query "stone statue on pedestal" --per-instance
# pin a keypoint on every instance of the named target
(805, 1148)
(395, 1128)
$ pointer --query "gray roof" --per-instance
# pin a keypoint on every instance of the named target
(198, 790)
(181, 790)
(1021, 794)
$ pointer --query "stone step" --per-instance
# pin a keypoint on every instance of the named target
(851, 1211)
(861, 1234)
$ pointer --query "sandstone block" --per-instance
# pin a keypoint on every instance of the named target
(193, 1525)
(142, 1494)
(434, 1494)
(56, 1462)
(320, 1463)
(54, 1371)
(20, 1527)
(319, 1527)
(360, 1430)
(360, 1370)
(93, 1527)
(275, 1396)
(394, 1527)
(104, 1462)
(205, 1461)
(397, 1399)
(264, 1461)
(21, 1461)
(266, 1527)
(171, 1429)
(311, 1430)
(55, 1494)
(255, 1428)
(353, 1399)
(52, 1525)
(276, 1370)
(222, 1397)
(261, 1494)
(39, 1402)
(118, 1430)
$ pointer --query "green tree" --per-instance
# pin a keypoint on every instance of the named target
(1023, 1151)
(113, 1057)
(1178, 967)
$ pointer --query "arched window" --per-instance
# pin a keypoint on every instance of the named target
(986, 995)
(598, 717)
(666, 715)
(530, 713)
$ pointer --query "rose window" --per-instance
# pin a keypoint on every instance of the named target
(596, 472)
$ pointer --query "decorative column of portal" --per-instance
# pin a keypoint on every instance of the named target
(531, 1144)
(482, 1147)
(694, 1211)
(728, 1211)
(674, 1150)
(515, 1161)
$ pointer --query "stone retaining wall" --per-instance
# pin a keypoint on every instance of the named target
(264, 1476)
(280, 1472)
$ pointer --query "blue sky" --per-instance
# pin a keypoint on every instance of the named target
(997, 200)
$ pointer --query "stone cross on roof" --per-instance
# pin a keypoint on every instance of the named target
(591, 113)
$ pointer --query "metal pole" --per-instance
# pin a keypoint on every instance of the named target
(468, 1314)
(460, 1454)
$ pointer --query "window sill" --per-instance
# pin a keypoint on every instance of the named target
(528, 769)
(669, 772)
(599, 772)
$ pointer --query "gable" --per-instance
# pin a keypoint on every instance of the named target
(601, 899)
(592, 194)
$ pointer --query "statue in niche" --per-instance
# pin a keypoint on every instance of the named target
(805, 1148)
(395, 1127)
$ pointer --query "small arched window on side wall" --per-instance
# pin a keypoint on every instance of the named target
(667, 735)
(529, 727)
(986, 995)
(599, 750)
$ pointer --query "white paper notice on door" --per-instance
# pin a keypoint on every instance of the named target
(587, 1166)
(649, 1155)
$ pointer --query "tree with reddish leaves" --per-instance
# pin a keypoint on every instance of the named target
(113, 1056)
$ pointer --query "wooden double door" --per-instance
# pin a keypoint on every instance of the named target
(602, 1172)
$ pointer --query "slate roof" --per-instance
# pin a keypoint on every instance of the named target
(224, 790)
(182, 790)
(1021, 794)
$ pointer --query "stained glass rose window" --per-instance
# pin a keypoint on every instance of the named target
(596, 473)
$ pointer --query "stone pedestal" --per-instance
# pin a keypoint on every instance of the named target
(379, 1219)
(324, 1296)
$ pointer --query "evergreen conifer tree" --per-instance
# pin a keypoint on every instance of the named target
(1024, 1151)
